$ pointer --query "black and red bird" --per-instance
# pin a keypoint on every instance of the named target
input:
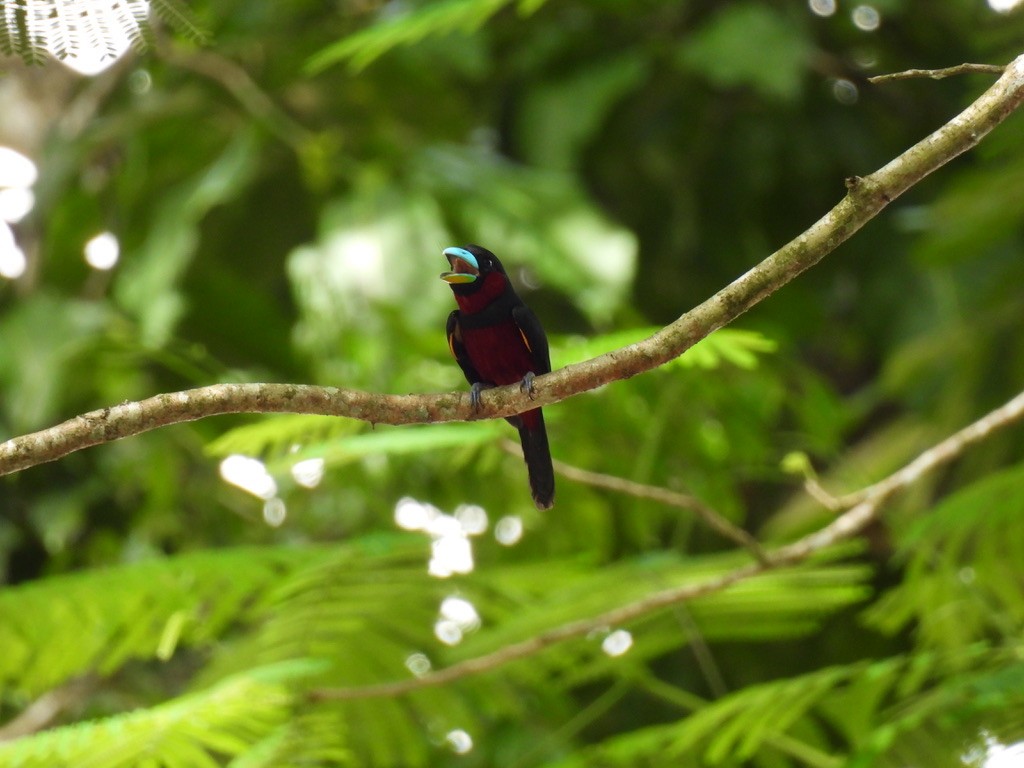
(497, 340)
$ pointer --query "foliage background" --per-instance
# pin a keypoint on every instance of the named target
(281, 195)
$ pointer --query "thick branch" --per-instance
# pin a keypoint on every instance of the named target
(866, 197)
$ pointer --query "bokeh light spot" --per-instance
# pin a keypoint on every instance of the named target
(102, 251)
(822, 7)
(308, 473)
(509, 530)
(459, 741)
(617, 642)
(248, 474)
(866, 18)
(845, 91)
(274, 512)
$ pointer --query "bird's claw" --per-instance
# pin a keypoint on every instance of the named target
(526, 385)
(474, 394)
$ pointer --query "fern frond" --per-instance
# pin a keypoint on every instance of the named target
(286, 440)
(955, 712)
(873, 718)
(194, 730)
(784, 604)
(964, 568)
(275, 436)
(177, 15)
(726, 345)
(367, 614)
(315, 738)
(133, 19)
(65, 626)
(31, 28)
(748, 723)
(384, 605)
(20, 34)
(436, 18)
(774, 723)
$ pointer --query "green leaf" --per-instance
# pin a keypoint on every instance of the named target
(148, 286)
(559, 118)
(129, 612)
(400, 441)
(405, 28)
(279, 435)
(222, 720)
(45, 342)
(285, 440)
(750, 44)
(726, 345)
(963, 568)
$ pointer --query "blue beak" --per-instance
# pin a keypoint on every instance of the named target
(465, 267)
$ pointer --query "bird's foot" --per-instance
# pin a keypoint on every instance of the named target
(474, 394)
(526, 385)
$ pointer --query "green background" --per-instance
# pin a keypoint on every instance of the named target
(282, 192)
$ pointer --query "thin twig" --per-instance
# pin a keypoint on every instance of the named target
(866, 197)
(941, 453)
(707, 515)
(844, 527)
(44, 710)
(814, 489)
(543, 640)
(240, 85)
(938, 74)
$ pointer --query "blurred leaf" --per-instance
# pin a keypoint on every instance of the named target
(879, 454)
(965, 221)
(186, 732)
(768, 605)
(123, 613)
(963, 573)
(536, 219)
(750, 44)
(405, 27)
(287, 440)
(726, 345)
(561, 117)
(45, 339)
(278, 435)
(148, 286)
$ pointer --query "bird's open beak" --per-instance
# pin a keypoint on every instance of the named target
(465, 268)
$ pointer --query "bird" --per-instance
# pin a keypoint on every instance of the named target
(496, 340)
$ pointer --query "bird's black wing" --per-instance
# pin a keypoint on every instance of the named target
(458, 349)
(534, 337)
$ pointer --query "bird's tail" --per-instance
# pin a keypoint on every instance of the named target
(534, 439)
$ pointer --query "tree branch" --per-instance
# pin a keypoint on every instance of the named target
(707, 515)
(866, 196)
(844, 527)
(47, 708)
(939, 74)
(943, 452)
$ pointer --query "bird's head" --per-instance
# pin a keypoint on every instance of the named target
(470, 266)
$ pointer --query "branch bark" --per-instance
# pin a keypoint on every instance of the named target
(865, 198)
